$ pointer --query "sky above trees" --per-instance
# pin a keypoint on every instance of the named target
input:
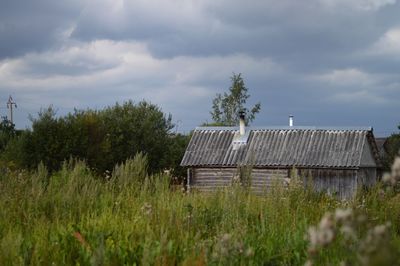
(327, 62)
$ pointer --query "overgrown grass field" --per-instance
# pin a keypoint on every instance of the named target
(74, 217)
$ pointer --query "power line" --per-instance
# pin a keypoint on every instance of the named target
(10, 105)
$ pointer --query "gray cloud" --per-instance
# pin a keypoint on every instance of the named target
(37, 25)
(328, 62)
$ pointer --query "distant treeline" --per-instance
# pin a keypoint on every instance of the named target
(103, 138)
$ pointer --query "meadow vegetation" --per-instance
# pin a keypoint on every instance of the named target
(118, 202)
(127, 216)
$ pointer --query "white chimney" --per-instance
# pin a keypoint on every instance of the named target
(242, 124)
(290, 120)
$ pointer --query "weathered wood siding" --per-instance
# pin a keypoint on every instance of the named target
(340, 183)
(264, 179)
(209, 179)
(367, 177)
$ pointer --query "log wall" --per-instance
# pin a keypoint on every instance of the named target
(340, 183)
(367, 177)
(336, 182)
(210, 179)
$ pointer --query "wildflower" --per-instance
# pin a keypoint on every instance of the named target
(380, 230)
(313, 237)
(361, 218)
(81, 240)
(343, 216)
(396, 169)
(308, 263)
(147, 208)
(345, 222)
(327, 222)
(387, 178)
(381, 194)
(226, 247)
(376, 237)
(348, 232)
(326, 236)
(226, 238)
(322, 235)
(249, 252)
(107, 175)
(238, 247)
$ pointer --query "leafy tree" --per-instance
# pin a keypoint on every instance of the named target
(86, 138)
(226, 107)
(101, 137)
(46, 141)
(133, 128)
(392, 149)
(7, 132)
(177, 147)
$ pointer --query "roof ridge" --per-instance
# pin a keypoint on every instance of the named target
(227, 128)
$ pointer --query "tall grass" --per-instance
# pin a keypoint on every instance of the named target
(75, 217)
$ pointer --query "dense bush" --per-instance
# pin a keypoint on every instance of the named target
(102, 138)
(7, 133)
(392, 147)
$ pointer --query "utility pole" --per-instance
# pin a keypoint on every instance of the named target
(10, 105)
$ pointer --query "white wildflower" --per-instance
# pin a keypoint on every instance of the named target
(249, 252)
(396, 169)
(361, 218)
(343, 215)
(327, 222)
(308, 263)
(326, 236)
(313, 237)
(225, 238)
(147, 208)
(381, 230)
(387, 178)
(236, 179)
(348, 232)
(381, 194)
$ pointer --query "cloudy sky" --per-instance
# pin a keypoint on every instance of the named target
(328, 62)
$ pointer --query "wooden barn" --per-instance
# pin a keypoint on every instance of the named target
(337, 160)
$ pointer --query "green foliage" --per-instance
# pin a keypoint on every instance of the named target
(73, 216)
(133, 171)
(7, 132)
(178, 144)
(103, 138)
(226, 107)
(392, 147)
(138, 128)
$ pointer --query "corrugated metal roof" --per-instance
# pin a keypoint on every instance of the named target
(279, 147)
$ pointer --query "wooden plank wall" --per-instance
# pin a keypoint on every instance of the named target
(209, 179)
(367, 177)
(263, 179)
(342, 183)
